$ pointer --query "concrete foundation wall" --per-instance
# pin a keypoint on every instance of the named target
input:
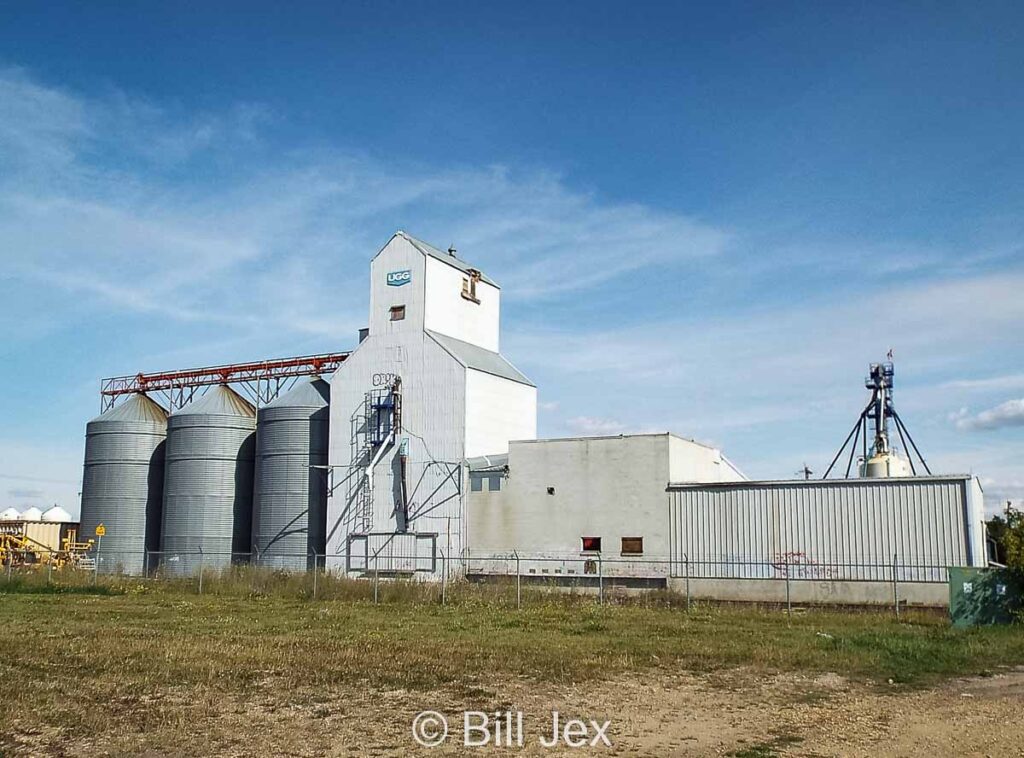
(814, 592)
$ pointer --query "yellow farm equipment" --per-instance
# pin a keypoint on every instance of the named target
(17, 548)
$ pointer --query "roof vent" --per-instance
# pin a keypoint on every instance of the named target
(451, 250)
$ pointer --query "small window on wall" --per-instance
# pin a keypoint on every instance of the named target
(397, 312)
(591, 544)
(632, 545)
(469, 286)
(494, 483)
(476, 483)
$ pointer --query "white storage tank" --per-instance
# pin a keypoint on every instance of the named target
(208, 483)
(57, 515)
(10, 515)
(883, 465)
(32, 514)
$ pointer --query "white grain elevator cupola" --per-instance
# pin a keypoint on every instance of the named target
(426, 389)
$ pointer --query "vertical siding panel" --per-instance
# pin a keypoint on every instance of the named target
(853, 526)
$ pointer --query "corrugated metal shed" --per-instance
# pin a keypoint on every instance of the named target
(478, 359)
(290, 499)
(209, 482)
(122, 484)
(834, 529)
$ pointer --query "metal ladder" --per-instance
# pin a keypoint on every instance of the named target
(381, 423)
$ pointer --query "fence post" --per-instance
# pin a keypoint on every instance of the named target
(895, 589)
(145, 563)
(600, 579)
(200, 570)
(96, 561)
(254, 561)
(49, 570)
(444, 579)
(10, 565)
(376, 577)
(519, 583)
(789, 604)
(686, 558)
(316, 570)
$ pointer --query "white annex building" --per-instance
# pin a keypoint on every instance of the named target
(425, 389)
(557, 501)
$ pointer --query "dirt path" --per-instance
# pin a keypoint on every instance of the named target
(660, 714)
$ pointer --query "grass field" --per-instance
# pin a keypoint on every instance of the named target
(127, 659)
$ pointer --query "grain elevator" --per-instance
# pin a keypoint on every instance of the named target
(426, 389)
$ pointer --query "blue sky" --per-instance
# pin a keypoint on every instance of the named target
(706, 219)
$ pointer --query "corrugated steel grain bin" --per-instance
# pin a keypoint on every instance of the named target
(208, 483)
(844, 529)
(122, 483)
(290, 500)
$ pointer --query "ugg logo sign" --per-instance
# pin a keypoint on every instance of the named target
(398, 278)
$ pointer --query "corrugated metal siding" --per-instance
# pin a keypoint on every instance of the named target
(433, 412)
(122, 482)
(290, 498)
(48, 535)
(207, 489)
(850, 529)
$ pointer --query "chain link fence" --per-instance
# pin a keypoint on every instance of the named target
(509, 577)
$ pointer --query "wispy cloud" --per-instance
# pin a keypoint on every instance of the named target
(101, 199)
(594, 426)
(1004, 382)
(191, 234)
(25, 494)
(782, 386)
(1010, 413)
(800, 346)
(1000, 491)
(39, 473)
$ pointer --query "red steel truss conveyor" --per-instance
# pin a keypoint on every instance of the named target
(262, 381)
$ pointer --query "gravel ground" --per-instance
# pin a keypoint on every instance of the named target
(736, 712)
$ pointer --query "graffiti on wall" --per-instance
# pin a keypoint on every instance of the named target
(797, 565)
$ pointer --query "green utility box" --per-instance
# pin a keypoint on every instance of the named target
(983, 596)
